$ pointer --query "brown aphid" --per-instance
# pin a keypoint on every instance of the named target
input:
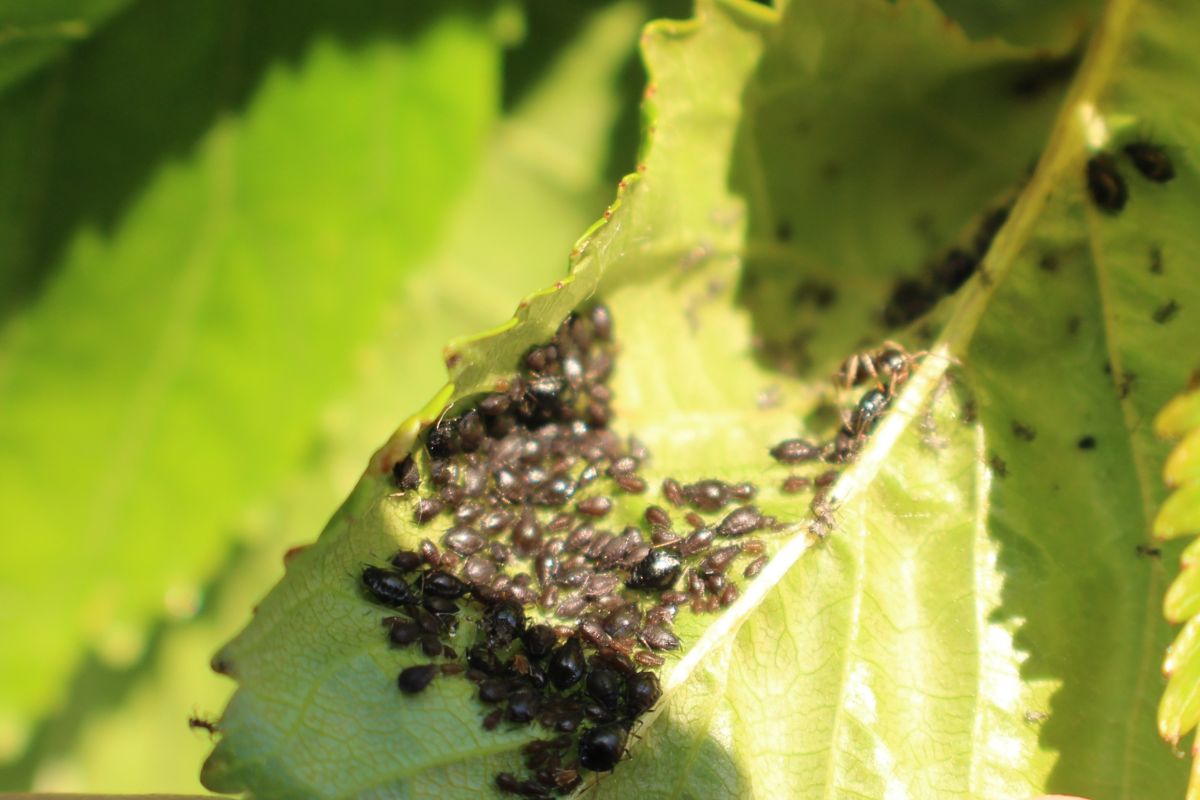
(729, 595)
(743, 491)
(826, 478)
(597, 506)
(426, 509)
(657, 637)
(673, 492)
(754, 567)
(1151, 161)
(630, 483)
(1105, 184)
(739, 522)
(429, 553)
(491, 722)
(795, 451)
(648, 659)
(753, 547)
(657, 517)
(695, 520)
(571, 607)
(794, 484)
(1023, 431)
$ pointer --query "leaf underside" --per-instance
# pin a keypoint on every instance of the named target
(980, 622)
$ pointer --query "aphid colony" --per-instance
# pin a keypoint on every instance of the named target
(886, 368)
(912, 296)
(560, 618)
(1106, 185)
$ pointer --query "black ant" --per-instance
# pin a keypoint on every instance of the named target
(195, 721)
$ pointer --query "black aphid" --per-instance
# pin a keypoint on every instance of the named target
(523, 705)
(657, 571)
(746, 519)
(443, 584)
(566, 666)
(539, 641)
(601, 747)
(414, 679)
(442, 441)
(431, 645)
(605, 686)
(387, 587)
(484, 659)
(403, 632)
(1105, 184)
(406, 475)
(642, 691)
(406, 561)
(1086, 442)
(1151, 161)
(494, 690)
(439, 605)
(503, 622)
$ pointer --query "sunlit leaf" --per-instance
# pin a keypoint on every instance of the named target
(980, 622)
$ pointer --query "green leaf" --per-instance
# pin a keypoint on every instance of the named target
(171, 369)
(541, 162)
(32, 34)
(979, 623)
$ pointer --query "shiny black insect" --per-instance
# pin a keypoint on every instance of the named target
(413, 680)
(870, 406)
(566, 666)
(406, 561)
(406, 475)
(1105, 184)
(539, 641)
(443, 584)
(403, 632)
(642, 691)
(387, 587)
(1151, 161)
(523, 705)
(657, 571)
(605, 686)
(503, 622)
(601, 747)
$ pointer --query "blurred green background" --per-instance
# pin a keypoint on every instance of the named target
(233, 239)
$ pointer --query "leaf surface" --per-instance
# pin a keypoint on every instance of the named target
(979, 623)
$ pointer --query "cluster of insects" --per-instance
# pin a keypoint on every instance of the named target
(912, 296)
(560, 616)
(1106, 185)
(885, 370)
